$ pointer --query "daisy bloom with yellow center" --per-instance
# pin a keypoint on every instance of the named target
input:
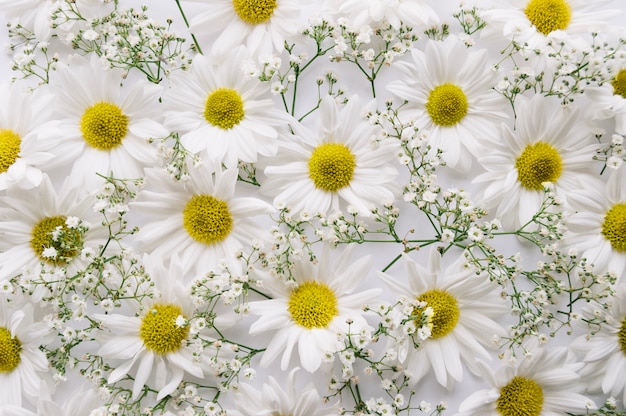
(310, 313)
(543, 382)
(21, 113)
(549, 145)
(464, 306)
(22, 363)
(45, 230)
(223, 113)
(609, 100)
(413, 13)
(534, 21)
(604, 353)
(450, 97)
(286, 399)
(343, 163)
(201, 219)
(102, 127)
(157, 337)
(597, 227)
(261, 25)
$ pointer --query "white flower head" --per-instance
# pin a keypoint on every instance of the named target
(546, 384)
(23, 364)
(536, 22)
(309, 314)
(32, 220)
(101, 126)
(548, 146)
(222, 115)
(261, 26)
(157, 340)
(333, 167)
(21, 115)
(450, 96)
(596, 229)
(461, 306)
(201, 220)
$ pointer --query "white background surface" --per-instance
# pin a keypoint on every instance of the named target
(428, 389)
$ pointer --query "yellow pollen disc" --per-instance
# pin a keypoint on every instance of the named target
(207, 219)
(521, 397)
(254, 11)
(622, 336)
(447, 105)
(538, 163)
(548, 15)
(331, 166)
(10, 349)
(68, 245)
(9, 149)
(224, 108)
(104, 126)
(313, 305)
(159, 330)
(614, 227)
(445, 311)
(619, 83)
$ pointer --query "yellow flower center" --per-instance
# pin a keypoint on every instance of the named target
(447, 105)
(619, 83)
(549, 15)
(614, 227)
(538, 163)
(9, 149)
(10, 349)
(445, 311)
(521, 397)
(622, 336)
(331, 166)
(313, 305)
(68, 242)
(224, 108)
(207, 219)
(254, 11)
(159, 330)
(104, 126)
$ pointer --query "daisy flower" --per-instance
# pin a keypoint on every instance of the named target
(157, 338)
(103, 127)
(534, 21)
(549, 144)
(544, 382)
(609, 100)
(463, 305)
(414, 13)
(46, 232)
(200, 219)
(598, 226)
(450, 97)
(340, 163)
(273, 399)
(21, 113)
(223, 113)
(22, 363)
(310, 312)
(604, 353)
(261, 25)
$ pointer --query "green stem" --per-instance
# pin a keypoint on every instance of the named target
(195, 41)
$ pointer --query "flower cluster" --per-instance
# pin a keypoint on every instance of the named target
(353, 207)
